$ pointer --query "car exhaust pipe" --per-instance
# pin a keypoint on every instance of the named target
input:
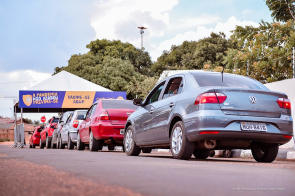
(210, 144)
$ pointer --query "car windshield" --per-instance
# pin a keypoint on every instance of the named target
(229, 80)
(118, 104)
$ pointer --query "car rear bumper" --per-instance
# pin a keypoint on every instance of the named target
(107, 130)
(36, 140)
(73, 135)
(229, 127)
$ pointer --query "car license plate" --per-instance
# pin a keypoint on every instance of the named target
(249, 126)
(122, 131)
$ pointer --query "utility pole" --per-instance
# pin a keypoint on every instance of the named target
(141, 33)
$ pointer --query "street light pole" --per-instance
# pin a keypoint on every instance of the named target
(141, 33)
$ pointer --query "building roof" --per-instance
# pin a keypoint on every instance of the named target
(65, 81)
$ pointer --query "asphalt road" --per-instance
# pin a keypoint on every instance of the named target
(114, 173)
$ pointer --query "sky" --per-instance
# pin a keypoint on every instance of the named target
(38, 35)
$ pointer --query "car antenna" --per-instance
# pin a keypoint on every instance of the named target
(222, 73)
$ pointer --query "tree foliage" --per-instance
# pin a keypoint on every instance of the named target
(111, 64)
(267, 50)
(207, 53)
(282, 10)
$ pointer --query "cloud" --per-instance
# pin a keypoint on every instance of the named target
(119, 19)
(201, 32)
(12, 82)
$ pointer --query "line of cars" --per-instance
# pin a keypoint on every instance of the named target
(101, 125)
(191, 113)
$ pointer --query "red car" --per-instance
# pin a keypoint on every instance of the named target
(104, 124)
(46, 133)
(35, 137)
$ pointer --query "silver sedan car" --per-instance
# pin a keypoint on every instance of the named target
(195, 112)
(68, 133)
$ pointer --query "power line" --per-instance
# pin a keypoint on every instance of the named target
(19, 82)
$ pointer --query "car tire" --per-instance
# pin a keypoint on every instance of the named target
(33, 145)
(146, 150)
(227, 154)
(265, 153)
(111, 148)
(30, 146)
(48, 144)
(180, 147)
(40, 144)
(80, 144)
(94, 145)
(130, 146)
(201, 154)
(53, 146)
(71, 145)
(61, 145)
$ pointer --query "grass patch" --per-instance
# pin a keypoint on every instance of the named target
(4, 140)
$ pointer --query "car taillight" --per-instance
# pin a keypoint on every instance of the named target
(75, 123)
(210, 98)
(284, 103)
(104, 116)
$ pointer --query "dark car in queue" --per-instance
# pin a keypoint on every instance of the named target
(68, 133)
(46, 133)
(196, 111)
(104, 124)
(60, 124)
(35, 137)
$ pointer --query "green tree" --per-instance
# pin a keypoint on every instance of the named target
(207, 53)
(211, 51)
(282, 10)
(265, 52)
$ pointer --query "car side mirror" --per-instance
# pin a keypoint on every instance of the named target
(52, 127)
(137, 101)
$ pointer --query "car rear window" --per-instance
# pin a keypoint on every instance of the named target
(81, 115)
(55, 120)
(118, 104)
(229, 80)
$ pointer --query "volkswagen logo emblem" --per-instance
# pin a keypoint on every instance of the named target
(252, 99)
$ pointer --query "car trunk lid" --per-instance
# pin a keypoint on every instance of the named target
(243, 102)
(119, 116)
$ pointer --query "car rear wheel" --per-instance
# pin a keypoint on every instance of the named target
(40, 144)
(146, 150)
(180, 147)
(201, 154)
(94, 145)
(71, 144)
(30, 146)
(48, 144)
(265, 153)
(52, 144)
(61, 145)
(80, 144)
(33, 145)
(131, 148)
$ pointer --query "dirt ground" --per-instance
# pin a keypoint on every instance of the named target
(24, 178)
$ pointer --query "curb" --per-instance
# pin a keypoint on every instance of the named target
(282, 155)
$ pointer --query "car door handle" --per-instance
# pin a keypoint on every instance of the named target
(152, 110)
(171, 104)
